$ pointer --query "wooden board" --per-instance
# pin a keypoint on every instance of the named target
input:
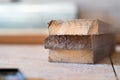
(79, 41)
(79, 56)
(32, 60)
(23, 36)
(29, 39)
(23, 39)
(68, 42)
(80, 49)
(71, 56)
(27, 36)
(78, 27)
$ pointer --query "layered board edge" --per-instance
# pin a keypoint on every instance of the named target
(100, 47)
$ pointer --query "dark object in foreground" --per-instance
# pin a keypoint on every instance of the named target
(11, 74)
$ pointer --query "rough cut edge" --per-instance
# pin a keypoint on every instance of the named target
(77, 42)
(68, 42)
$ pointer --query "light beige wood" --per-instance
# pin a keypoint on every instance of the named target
(73, 56)
(80, 56)
(32, 60)
(78, 27)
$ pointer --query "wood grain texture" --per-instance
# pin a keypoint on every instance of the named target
(32, 60)
(78, 27)
(71, 56)
(80, 56)
(79, 41)
(80, 49)
(68, 42)
(55, 42)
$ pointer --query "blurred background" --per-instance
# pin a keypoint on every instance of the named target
(25, 21)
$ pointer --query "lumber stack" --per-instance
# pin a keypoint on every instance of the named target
(79, 41)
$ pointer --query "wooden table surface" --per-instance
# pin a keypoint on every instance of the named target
(32, 60)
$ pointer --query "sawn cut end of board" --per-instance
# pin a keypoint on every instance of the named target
(80, 49)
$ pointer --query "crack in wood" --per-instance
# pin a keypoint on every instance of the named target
(112, 64)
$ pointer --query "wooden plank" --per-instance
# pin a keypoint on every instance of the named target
(79, 56)
(29, 39)
(116, 61)
(71, 56)
(27, 36)
(23, 39)
(68, 42)
(23, 36)
(54, 42)
(78, 27)
(79, 41)
(80, 49)
(33, 62)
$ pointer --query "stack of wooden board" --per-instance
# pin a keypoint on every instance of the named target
(79, 41)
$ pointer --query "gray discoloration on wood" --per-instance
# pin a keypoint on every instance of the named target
(53, 42)
(103, 45)
(78, 42)
(68, 42)
(100, 46)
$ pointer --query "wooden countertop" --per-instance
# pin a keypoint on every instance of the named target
(32, 60)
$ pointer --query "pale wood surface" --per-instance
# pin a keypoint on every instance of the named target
(78, 27)
(71, 56)
(32, 60)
